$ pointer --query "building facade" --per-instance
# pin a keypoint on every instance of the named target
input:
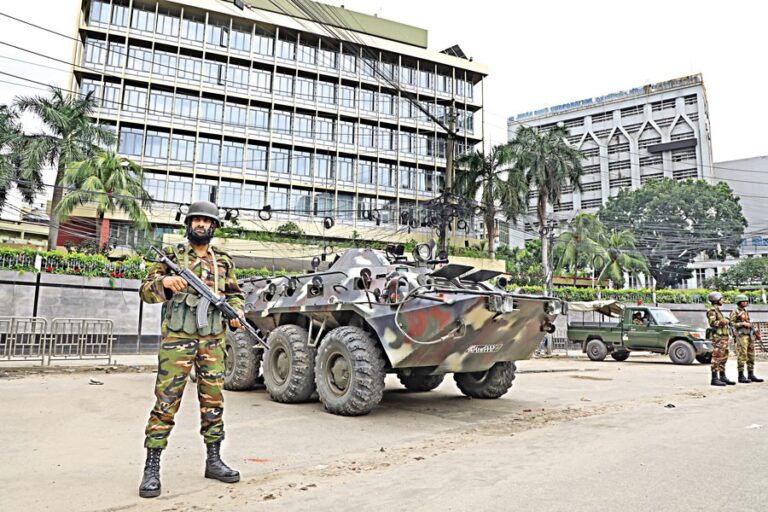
(628, 138)
(262, 104)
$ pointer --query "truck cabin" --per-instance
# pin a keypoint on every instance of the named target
(611, 313)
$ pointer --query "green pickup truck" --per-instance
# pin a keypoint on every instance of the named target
(607, 327)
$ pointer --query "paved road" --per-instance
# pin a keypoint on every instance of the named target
(572, 435)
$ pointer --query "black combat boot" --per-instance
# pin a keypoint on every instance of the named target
(753, 377)
(150, 483)
(725, 379)
(716, 380)
(742, 378)
(215, 467)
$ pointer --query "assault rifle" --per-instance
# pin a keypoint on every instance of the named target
(207, 297)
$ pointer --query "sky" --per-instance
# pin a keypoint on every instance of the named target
(539, 53)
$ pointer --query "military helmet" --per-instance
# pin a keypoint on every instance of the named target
(740, 298)
(203, 209)
(715, 297)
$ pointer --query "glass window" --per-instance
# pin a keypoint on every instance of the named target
(143, 20)
(365, 136)
(387, 175)
(406, 142)
(186, 107)
(347, 96)
(214, 73)
(95, 51)
(205, 190)
(302, 164)
(367, 100)
(307, 54)
(192, 29)
(346, 206)
(168, 25)
(408, 75)
(112, 95)
(261, 80)
(460, 87)
(407, 177)
(218, 35)
(120, 15)
(229, 195)
(235, 115)
(237, 76)
(328, 58)
(305, 89)
(135, 99)
(257, 159)
(326, 93)
(324, 204)
(208, 151)
(324, 128)
(348, 63)
(179, 189)
(302, 126)
(387, 70)
(131, 141)
(278, 198)
(99, 12)
(154, 184)
(164, 64)
(284, 84)
(139, 59)
(253, 196)
(386, 104)
(406, 111)
(182, 147)
(89, 85)
(116, 57)
(346, 132)
(258, 118)
(470, 90)
(345, 169)
(281, 122)
(233, 154)
(241, 40)
(385, 139)
(279, 159)
(302, 201)
(264, 43)
(324, 167)
(365, 206)
(426, 79)
(190, 68)
(365, 172)
(368, 67)
(286, 49)
(444, 83)
(161, 102)
(211, 110)
(156, 145)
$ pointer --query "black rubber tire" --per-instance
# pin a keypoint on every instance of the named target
(596, 350)
(242, 361)
(418, 382)
(620, 355)
(681, 352)
(349, 372)
(491, 383)
(705, 358)
(289, 371)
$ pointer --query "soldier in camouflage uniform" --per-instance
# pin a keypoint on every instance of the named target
(718, 331)
(183, 344)
(745, 340)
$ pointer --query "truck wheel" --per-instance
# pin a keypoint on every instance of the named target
(491, 383)
(289, 374)
(241, 361)
(681, 352)
(418, 382)
(349, 372)
(704, 358)
(620, 355)
(596, 350)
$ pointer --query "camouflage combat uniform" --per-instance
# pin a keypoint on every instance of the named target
(183, 345)
(719, 333)
(745, 343)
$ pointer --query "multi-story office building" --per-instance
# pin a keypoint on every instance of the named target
(259, 104)
(628, 138)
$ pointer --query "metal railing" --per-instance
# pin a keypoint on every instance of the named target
(23, 338)
(29, 339)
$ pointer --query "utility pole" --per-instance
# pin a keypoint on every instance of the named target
(443, 242)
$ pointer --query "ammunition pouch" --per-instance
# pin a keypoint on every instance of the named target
(181, 316)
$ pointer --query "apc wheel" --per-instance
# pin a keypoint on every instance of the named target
(704, 358)
(418, 382)
(596, 350)
(681, 352)
(620, 355)
(349, 372)
(289, 374)
(242, 360)
(491, 383)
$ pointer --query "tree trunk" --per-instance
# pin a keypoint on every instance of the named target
(541, 211)
(58, 192)
(490, 230)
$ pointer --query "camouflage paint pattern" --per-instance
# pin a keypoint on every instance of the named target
(153, 292)
(448, 324)
(719, 332)
(175, 360)
(745, 344)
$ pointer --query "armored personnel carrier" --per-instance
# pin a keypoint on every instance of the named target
(336, 333)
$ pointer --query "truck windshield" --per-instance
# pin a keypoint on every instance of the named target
(664, 317)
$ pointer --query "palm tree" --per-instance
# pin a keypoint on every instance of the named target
(68, 136)
(502, 189)
(549, 164)
(12, 140)
(110, 181)
(581, 245)
(621, 257)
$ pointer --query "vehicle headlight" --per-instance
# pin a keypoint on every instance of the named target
(699, 335)
(422, 252)
(553, 307)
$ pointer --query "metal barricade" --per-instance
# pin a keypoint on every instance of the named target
(23, 338)
(81, 338)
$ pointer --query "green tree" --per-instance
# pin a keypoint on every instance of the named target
(68, 136)
(549, 164)
(502, 189)
(620, 257)
(524, 264)
(752, 272)
(581, 245)
(675, 221)
(12, 141)
(111, 183)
